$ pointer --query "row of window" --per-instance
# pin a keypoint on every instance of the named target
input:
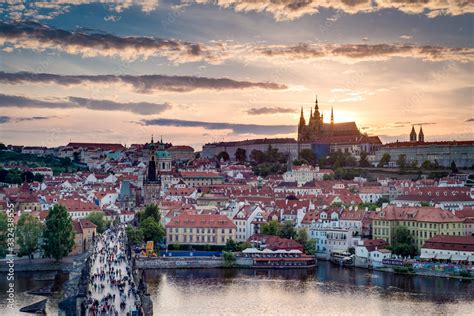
(193, 238)
(200, 230)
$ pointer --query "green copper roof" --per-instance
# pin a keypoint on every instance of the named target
(162, 154)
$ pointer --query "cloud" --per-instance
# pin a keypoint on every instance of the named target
(18, 10)
(269, 110)
(364, 52)
(142, 108)
(407, 37)
(8, 119)
(40, 37)
(292, 9)
(4, 119)
(89, 43)
(140, 84)
(469, 120)
(235, 128)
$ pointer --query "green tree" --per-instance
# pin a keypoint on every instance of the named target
(3, 234)
(309, 156)
(364, 161)
(152, 230)
(287, 230)
(243, 245)
(135, 235)
(426, 165)
(384, 160)
(152, 211)
(223, 155)
(403, 242)
(310, 247)
(58, 236)
(240, 154)
(28, 231)
(230, 245)
(402, 161)
(258, 156)
(229, 259)
(301, 235)
(454, 168)
(99, 220)
(270, 228)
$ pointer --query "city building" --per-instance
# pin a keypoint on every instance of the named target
(422, 223)
(201, 178)
(84, 234)
(456, 249)
(200, 229)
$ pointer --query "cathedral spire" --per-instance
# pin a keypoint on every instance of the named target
(421, 135)
(332, 117)
(302, 120)
(152, 138)
(413, 134)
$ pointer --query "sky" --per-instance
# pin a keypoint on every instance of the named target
(199, 71)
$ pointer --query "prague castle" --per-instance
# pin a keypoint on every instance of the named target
(317, 129)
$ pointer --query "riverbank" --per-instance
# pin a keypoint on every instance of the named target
(67, 264)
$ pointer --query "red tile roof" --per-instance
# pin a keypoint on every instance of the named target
(187, 220)
(419, 214)
(445, 242)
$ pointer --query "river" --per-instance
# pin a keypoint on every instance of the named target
(326, 290)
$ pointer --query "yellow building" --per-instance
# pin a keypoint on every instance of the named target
(422, 223)
(200, 229)
(85, 232)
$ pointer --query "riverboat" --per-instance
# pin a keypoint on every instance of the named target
(285, 259)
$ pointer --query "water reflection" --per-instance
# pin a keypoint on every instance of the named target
(327, 289)
(27, 281)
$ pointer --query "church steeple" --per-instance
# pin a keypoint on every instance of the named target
(421, 135)
(332, 117)
(413, 134)
(316, 110)
(151, 139)
(302, 120)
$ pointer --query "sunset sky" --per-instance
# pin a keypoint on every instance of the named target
(198, 71)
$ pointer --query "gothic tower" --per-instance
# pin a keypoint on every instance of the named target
(413, 135)
(421, 135)
(332, 118)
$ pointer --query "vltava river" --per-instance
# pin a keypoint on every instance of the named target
(326, 290)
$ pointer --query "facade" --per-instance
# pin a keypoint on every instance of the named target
(181, 153)
(441, 153)
(422, 222)
(201, 178)
(284, 145)
(371, 252)
(316, 127)
(85, 232)
(301, 174)
(200, 229)
(456, 249)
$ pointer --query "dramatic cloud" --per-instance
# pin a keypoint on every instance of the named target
(40, 37)
(270, 110)
(235, 128)
(293, 9)
(18, 10)
(140, 84)
(142, 108)
(365, 52)
(8, 119)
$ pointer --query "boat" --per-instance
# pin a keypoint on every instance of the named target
(38, 308)
(342, 258)
(284, 259)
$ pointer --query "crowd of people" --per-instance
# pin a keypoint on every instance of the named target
(112, 291)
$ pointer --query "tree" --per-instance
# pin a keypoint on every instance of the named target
(270, 228)
(135, 235)
(384, 160)
(287, 230)
(223, 155)
(3, 234)
(403, 243)
(364, 162)
(244, 245)
(258, 156)
(240, 154)
(402, 161)
(414, 164)
(426, 165)
(301, 235)
(229, 259)
(230, 245)
(454, 168)
(309, 156)
(99, 220)
(28, 231)
(152, 211)
(152, 230)
(58, 236)
(310, 247)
